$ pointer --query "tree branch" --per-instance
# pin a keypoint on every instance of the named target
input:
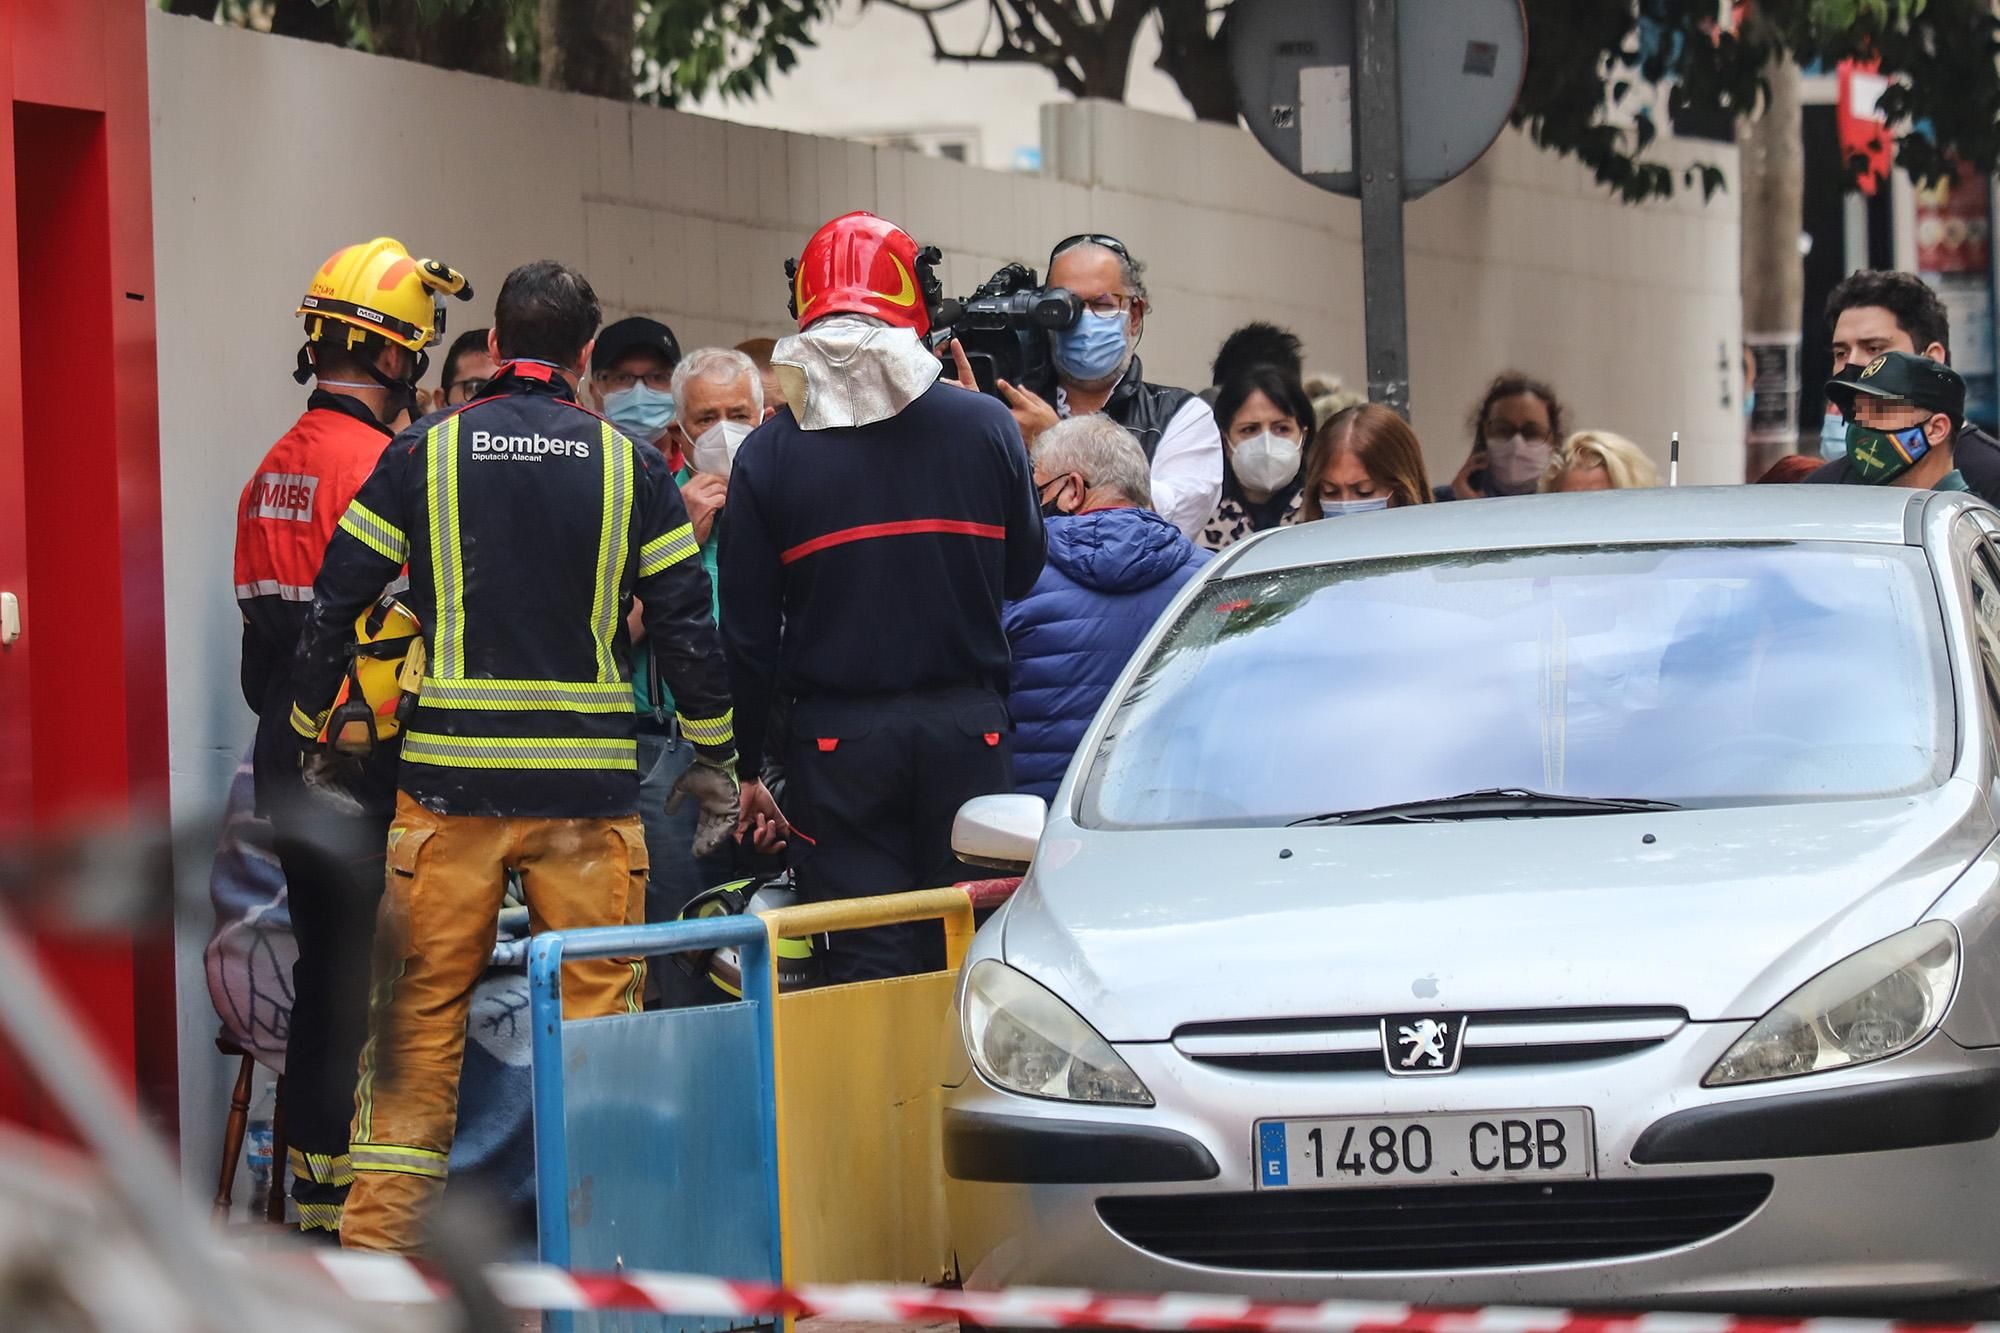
(1011, 52)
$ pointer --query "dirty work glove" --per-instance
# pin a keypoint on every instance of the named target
(713, 787)
(333, 779)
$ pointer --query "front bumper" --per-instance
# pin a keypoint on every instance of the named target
(1900, 1223)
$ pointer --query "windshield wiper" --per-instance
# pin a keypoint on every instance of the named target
(1488, 803)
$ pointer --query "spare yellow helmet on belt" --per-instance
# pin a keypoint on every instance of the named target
(376, 288)
(385, 666)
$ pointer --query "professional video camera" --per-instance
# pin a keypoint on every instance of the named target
(1002, 327)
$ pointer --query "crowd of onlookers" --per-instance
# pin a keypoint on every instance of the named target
(1134, 505)
(865, 619)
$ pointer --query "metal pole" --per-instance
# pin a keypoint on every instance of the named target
(1378, 134)
(136, 1165)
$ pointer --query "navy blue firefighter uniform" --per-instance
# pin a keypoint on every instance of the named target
(528, 525)
(863, 571)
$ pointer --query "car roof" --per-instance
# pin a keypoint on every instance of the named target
(1706, 514)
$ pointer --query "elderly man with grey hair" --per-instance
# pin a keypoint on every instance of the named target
(1098, 370)
(718, 399)
(1113, 566)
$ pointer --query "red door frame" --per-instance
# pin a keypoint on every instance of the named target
(83, 731)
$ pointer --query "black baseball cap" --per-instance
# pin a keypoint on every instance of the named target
(629, 335)
(1908, 378)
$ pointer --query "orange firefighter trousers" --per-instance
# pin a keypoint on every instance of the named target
(434, 937)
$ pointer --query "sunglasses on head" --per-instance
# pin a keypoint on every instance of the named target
(1111, 243)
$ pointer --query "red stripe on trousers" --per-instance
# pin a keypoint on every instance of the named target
(906, 528)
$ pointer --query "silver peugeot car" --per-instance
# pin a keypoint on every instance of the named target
(1575, 900)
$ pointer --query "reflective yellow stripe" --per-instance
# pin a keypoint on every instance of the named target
(448, 566)
(709, 730)
(567, 695)
(397, 1159)
(321, 1168)
(669, 550)
(375, 532)
(421, 747)
(380, 997)
(306, 724)
(612, 544)
(320, 1216)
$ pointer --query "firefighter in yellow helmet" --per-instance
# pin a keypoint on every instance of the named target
(370, 313)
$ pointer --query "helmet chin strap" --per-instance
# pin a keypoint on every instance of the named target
(402, 394)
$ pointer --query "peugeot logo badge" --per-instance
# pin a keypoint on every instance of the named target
(1418, 1044)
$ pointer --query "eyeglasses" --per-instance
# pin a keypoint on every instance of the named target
(1111, 243)
(617, 381)
(1109, 304)
(464, 391)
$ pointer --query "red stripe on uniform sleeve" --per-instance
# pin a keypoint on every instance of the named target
(907, 528)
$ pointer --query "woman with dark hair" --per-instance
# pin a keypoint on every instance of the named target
(1364, 458)
(1515, 431)
(1266, 419)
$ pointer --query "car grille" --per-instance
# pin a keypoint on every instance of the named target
(1434, 1227)
(1495, 1039)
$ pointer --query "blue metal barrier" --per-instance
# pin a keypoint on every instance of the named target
(656, 1141)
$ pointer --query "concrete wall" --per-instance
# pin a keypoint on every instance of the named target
(270, 153)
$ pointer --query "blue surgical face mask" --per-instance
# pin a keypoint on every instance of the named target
(641, 411)
(1342, 508)
(1092, 348)
(1749, 403)
(1833, 435)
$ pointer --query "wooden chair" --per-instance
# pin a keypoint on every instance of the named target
(237, 1125)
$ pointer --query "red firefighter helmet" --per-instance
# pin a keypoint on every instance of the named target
(862, 264)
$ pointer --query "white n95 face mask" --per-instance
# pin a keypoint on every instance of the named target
(1265, 462)
(715, 449)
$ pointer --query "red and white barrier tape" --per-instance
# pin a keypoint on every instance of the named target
(374, 1277)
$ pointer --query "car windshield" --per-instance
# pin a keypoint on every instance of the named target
(1701, 675)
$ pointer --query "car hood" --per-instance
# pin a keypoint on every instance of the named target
(1718, 912)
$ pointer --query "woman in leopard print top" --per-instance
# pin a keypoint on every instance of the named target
(1266, 418)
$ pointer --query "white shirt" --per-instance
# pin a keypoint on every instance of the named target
(1187, 465)
(1187, 468)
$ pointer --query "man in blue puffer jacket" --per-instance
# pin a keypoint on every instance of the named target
(1113, 565)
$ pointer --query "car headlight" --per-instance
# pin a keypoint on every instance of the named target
(1885, 999)
(1025, 1040)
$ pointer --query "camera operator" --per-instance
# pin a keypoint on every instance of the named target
(1097, 370)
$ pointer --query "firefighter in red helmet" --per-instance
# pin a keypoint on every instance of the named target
(875, 527)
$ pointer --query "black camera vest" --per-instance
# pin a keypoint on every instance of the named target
(1144, 409)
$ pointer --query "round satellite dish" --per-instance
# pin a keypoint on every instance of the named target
(1461, 64)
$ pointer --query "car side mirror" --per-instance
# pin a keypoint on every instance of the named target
(999, 832)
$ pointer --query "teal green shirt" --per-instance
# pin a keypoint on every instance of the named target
(642, 668)
(1953, 480)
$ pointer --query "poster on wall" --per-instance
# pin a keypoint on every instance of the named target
(1968, 303)
(1953, 226)
(1774, 412)
(1954, 233)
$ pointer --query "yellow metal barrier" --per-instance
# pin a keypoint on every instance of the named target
(860, 1164)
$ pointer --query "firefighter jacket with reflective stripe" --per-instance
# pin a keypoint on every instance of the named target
(528, 524)
(873, 560)
(284, 521)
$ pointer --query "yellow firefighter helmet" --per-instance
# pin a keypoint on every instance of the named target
(385, 667)
(376, 289)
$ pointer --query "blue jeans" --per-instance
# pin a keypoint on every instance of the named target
(676, 875)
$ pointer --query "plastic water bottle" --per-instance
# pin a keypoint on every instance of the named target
(257, 1148)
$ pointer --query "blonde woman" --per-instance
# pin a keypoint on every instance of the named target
(1597, 460)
